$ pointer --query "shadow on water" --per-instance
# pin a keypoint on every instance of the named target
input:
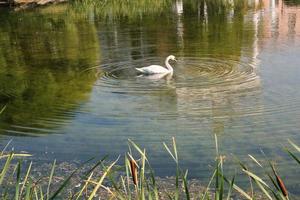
(42, 58)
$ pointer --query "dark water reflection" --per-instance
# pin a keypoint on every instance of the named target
(42, 62)
(236, 76)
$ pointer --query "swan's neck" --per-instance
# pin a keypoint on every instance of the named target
(169, 67)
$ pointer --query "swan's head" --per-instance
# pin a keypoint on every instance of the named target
(171, 57)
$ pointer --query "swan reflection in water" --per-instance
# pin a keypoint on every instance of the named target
(166, 76)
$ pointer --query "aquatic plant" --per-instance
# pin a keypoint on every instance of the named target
(136, 179)
(137, 182)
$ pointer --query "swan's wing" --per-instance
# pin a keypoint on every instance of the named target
(153, 69)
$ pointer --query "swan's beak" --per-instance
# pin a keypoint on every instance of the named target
(175, 60)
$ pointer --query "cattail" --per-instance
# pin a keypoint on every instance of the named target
(133, 168)
(281, 185)
(280, 182)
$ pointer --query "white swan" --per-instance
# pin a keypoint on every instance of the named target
(157, 69)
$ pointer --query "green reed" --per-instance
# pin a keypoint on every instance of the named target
(136, 179)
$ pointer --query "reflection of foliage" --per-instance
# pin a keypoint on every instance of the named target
(216, 7)
(218, 35)
(42, 57)
(223, 36)
(43, 52)
(113, 9)
(292, 2)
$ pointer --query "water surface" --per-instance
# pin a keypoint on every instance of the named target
(67, 76)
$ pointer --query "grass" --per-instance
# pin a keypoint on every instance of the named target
(136, 179)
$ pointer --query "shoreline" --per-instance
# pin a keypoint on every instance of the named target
(109, 180)
(27, 4)
(40, 175)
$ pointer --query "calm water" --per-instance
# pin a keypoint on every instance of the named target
(67, 76)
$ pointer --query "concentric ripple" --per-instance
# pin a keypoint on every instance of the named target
(54, 104)
(211, 73)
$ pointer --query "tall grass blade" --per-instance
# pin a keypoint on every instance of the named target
(142, 176)
(149, 191)
(262, 189)
(186, 188)
(240, 163)
(221, 191)
(238, 189)
(169, 151)
(124, 186)
(50, 178)
(217, 181)
(5, 147)
(255, 177)
(114, 184)
(175, 149)
(177, 183)
(230, 188)
(127, 168)
(99, 183)
(2, 109)
(277, 188)
(175, 158)
(35, 193)
(100, 162)
(25, 178)
(260, 183)
(5, 167)
(28, 190)
(17, 188)
(294, 145)
(137, 148)
(293, 156)
(41, 193)
(256, 161)
(217, 146)
(154, 186)
(244, 167)
(209, 183)
(16, 155)
(64, 184)
(84, 186)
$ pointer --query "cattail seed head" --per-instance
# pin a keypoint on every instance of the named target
(281, 185)
(134, 173)
(279, 181)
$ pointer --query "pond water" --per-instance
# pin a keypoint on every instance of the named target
(68, 78)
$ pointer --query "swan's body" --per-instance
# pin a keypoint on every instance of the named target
(153, 69)
(158, 76)
(157, 69)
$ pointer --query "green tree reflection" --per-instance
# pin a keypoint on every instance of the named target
(42, 58)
